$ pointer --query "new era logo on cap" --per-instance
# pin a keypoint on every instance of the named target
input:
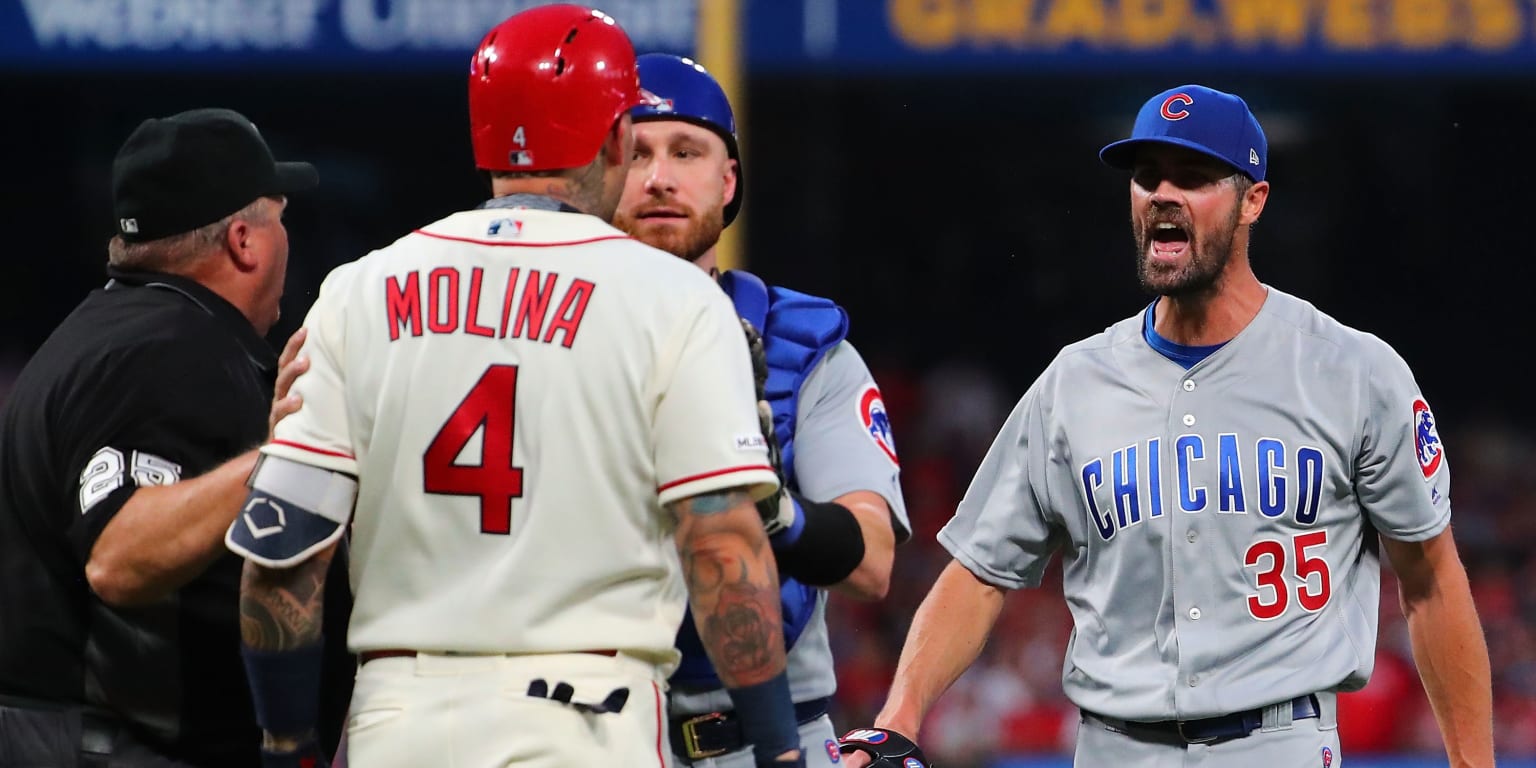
(128, 226)
(1201, 119)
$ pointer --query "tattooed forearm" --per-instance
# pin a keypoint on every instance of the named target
(282, 609)
(733, 585)
(712, 503)
(743, 632)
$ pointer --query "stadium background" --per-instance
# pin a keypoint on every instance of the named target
(930, 164)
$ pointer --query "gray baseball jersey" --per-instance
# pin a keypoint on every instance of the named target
(836, 452)
(1217, 525)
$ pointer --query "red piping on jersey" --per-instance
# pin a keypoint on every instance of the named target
(311, 449)
(660, 760)
(523, 245)
(716, 473)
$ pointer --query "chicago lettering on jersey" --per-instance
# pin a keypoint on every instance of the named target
(1264, 477)
(441, 302)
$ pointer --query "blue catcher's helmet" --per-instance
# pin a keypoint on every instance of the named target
(689, 93)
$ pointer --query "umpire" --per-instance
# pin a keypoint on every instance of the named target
(124, 450)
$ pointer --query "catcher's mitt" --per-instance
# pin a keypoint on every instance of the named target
(778, 510)
(886, 749)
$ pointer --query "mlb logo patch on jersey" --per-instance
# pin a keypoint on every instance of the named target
(505, 228)
(876, 422)
(1426, 439)
(1327, 757)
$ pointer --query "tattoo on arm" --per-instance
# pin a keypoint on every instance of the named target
(733, 585)
(282, 609)
(713, 503)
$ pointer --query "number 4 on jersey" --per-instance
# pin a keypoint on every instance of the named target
(488, 409)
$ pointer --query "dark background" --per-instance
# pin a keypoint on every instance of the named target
(955, 217)
(968, 227)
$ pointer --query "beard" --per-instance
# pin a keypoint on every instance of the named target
(1207, 256)
(689, 242)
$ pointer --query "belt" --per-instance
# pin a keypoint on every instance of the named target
(1206, 730)
(540, 688)
(392, 653)
(716, 733)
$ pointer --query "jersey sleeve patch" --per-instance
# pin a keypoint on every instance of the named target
(1426, 439)
(877, 424)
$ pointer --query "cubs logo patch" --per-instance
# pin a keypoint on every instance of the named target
(877, 423)
(1327, 757)
(866, 735)
(1171, 109)
(1426, 439)
(833, 753)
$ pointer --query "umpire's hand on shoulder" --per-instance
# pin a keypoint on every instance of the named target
(290, 364)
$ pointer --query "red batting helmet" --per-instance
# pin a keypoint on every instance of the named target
(545, 87)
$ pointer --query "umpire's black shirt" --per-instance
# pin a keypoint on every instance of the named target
(152, 379)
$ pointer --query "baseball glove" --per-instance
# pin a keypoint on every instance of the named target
(778, 510)
(886, 749)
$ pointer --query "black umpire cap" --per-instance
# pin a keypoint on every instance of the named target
(178, 173)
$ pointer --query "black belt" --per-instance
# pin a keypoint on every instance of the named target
(716, 733)
(1233, 726)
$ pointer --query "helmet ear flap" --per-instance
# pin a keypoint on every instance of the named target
(546, 87)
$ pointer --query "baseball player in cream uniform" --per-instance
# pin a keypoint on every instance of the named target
(526, 405)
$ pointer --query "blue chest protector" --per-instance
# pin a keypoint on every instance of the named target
(798, 330)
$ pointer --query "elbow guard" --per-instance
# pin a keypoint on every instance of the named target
(823, 545)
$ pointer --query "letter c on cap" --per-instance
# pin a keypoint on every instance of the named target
(1172, 113)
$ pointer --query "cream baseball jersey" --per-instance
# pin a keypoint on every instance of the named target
(1217, 525)
(519, 392)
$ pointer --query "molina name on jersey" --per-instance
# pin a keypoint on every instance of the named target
(523, 311)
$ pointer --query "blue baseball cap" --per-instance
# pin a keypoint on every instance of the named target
(686, 91)
(1203, 119)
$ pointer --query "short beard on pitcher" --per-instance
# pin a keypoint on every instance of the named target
(1208, 257)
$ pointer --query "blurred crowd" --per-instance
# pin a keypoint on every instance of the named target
(1011, 702)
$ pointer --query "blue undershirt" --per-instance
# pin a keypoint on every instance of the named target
(1183, 354)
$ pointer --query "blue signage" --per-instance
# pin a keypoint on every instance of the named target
(297, 35)
(796, 36)
(1105, 36)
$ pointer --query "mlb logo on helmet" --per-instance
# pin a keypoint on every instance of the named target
(833, 753)
(912, 762)
(877, 423)
(1426, 439)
